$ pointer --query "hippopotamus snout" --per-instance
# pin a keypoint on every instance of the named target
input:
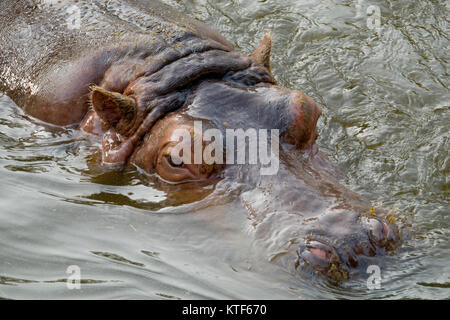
(338, 260)
(308, 221)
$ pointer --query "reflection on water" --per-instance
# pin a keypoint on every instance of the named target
(386, 121)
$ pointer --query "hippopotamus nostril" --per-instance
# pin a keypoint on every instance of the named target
(324, 259)
(319, 253)
(382, 234)
(378, 230)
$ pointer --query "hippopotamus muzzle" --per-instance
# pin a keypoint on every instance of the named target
(339, 262)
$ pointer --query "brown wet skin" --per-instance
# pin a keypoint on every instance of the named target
(135, 91)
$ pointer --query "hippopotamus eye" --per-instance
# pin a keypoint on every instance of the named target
(172, 163)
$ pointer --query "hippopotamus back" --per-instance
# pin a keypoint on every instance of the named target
(47, 55)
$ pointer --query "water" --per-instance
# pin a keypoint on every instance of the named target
(385, 124)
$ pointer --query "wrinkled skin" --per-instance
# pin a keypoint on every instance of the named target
(136, 71)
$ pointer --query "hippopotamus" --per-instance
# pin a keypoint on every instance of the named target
(133, 73)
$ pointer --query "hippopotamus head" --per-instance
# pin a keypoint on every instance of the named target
(299, 210)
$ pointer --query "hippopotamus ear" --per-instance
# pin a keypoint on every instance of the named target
(262, 54)
(115, 109)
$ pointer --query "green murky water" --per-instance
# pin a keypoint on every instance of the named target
(386, 124)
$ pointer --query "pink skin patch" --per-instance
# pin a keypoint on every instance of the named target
(319, 253)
